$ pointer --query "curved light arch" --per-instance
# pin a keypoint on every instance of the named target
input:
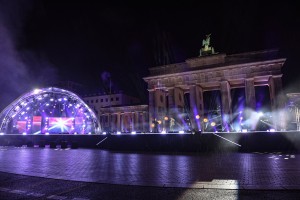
(49, 103)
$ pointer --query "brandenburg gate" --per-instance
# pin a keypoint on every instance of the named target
(210, 71)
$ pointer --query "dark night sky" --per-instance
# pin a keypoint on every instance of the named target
(42, 41)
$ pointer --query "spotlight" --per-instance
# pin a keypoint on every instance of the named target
(47, 133)
(163, 132)
(181, 132)
(213, 124)
(118, 133)
(272, 130)
(1, 133)
(244, 130)
(260, 114)
(24, 133)
(36, 91)
(166, 118)
(133, 132)
(197, 116)
(104, 133)
(205, 120)
(90, 133)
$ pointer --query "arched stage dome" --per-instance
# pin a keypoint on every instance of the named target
(48, 111)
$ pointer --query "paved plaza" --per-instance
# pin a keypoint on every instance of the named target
(227, 174)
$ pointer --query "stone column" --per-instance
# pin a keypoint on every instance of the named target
(297, 118)
(179, 108)
(226, 104)
(101, 122)
(276, 95)
(250, 94)
(136, 121)
(160, 104)
(112, 121)
(107, 123)
(145, 125)
(119, 121)
(122, 121)
(171, 99)
(196, 105)
(151, 108)
(132, 124)
(277, 102)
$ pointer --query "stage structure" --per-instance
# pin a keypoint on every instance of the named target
(48, 111)
(176, 91)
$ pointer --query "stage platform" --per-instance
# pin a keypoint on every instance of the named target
(198, 142)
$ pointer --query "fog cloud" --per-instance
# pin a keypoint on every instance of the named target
(20, 69)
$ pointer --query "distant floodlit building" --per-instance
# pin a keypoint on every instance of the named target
(119, 112)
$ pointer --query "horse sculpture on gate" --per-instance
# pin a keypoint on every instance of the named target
(206, 50)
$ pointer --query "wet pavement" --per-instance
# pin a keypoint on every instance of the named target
(86, 173)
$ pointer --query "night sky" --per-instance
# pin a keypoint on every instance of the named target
(43, 42)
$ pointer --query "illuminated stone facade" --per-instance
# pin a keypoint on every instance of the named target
(119, 112)
(125, 119)
(293, 111)
(167, 84)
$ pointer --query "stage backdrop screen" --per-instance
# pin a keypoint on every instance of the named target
(36, 124)
(21, 126)
(60, 124)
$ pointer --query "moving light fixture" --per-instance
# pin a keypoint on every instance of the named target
(260, 114)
